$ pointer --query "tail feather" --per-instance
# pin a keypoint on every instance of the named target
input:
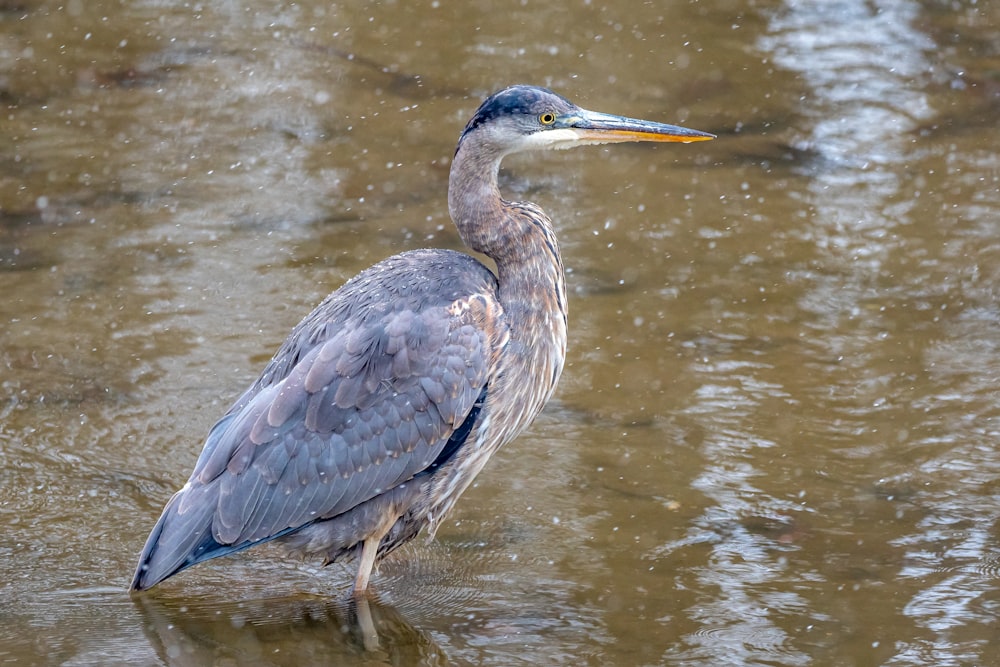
(183, 536)
(178, 540)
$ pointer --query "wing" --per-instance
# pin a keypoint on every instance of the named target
(365, 394)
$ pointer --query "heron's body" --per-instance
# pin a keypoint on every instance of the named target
(387, 400)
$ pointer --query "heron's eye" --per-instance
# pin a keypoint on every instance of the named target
(547, 118)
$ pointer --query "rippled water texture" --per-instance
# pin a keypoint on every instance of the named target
(775, 442)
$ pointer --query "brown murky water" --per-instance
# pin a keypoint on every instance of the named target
(775, 442)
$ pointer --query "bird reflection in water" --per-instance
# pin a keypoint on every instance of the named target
(300, 630)
(387, 400)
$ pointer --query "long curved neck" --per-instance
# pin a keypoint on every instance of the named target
(520, 239)
(474, 200)
(517, 236)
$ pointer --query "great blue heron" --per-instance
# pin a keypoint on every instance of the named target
(387, 400)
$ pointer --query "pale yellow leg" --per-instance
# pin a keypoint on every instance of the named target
(369, 551)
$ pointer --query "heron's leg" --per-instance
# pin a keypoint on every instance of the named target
(369, 552)
(369, 549)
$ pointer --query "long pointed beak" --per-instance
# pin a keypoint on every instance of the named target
(593, 127)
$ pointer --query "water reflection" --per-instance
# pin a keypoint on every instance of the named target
(865, 361)
(283, 631)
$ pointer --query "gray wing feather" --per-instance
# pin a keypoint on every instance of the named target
(344, 413)
(367, 438)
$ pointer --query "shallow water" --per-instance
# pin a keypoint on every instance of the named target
(775, 438)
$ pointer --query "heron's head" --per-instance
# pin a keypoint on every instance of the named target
(523, 118)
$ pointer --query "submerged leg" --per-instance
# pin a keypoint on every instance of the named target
(366, 624)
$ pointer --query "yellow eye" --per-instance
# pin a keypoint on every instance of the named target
(547, 118)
